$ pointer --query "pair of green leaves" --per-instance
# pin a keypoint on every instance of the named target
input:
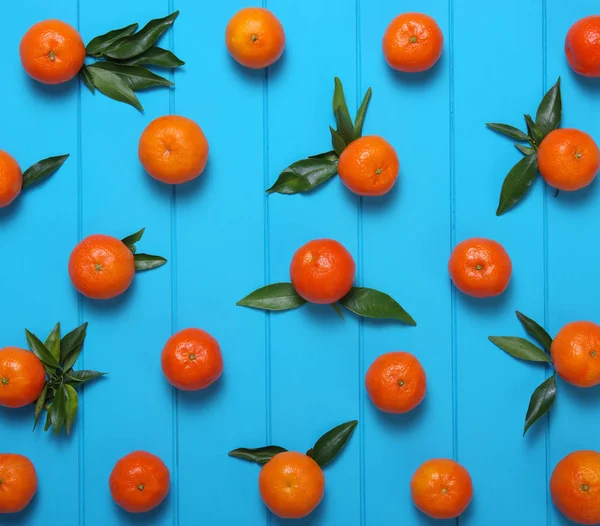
(521, 176)
(544, 395)
(304, 175)
(323, 452)
(59, 396)
(125, 54)
(369, 303)
(42, 169)
(142, 261)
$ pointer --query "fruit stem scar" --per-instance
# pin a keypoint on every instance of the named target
(52, 56)
(444, 490)
(593, 353)
(378, 171)
(413, 39)
(585, 487)
(254, 38)
(4, 380)
(478, 267)
(577, 155)
(98, 267)
(140, 487)
(401, 383)
(192, 356)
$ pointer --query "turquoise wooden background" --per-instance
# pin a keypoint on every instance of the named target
(290, 377)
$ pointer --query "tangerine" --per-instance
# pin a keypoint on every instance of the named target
(18, 482)
(11, 179)
(22, 377)
(575, 353)
(582, 46)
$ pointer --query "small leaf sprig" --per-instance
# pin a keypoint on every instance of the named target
(325, 450)
(123, 55)
(142, 261)
(305, 175)
(544, 395)
(521, 176)
(59, 396)
(42, 169)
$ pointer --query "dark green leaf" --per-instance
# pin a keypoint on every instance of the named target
(52, 343)
(506, 129)
(156, 56)
(375, 304)
(536, 330)
(520, 348)
(39, 405)
(278, 296)
(81, 377)
(344, 125)
(147, 262)
(131, 240)
(337, 309)
(517, 182)
(114, 87)
(144, 39)
(549, 112)
(138, 77)
(332, 442)
(303, 176)
(87, 78)
(39, 349)
(71, 358)
(71, 341)
(360, 114)
(57, 409)
(42, 169)
(525, 150)
(71, 404)
(339, 103)
(329, 156)
(337, 141)
(101, 43)
(260, 455)
(541, 400)
(48, 419)
(534, 130)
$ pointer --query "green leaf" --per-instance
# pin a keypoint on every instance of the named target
(42, 169)
(71, 404)
(534, 130)
(131, 240)
(147, 262)
(72, 341)
(138, 77)
(535, 330)
(331, 443)
(541, 400)
(114, 87)
(156, 56)
(142, 41)
(88, 80)
(549, 112)
(506, 129)
(71, 358)
(278, 296)
(344, 125)
(52, 343)
(39, 349)
(520, 348)
(517, 182)
(260, 455)
(339, 103)
(329, 156)
(303, 176)
(39, 405)
(375, 304)
(337, 309)
(525, 150)
(360, 114)
(337, 141)
(57, 409)
(102, 42)
(48, 419)
(81, 377)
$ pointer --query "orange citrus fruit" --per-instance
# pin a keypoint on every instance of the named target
(52, 52)
(173, 149)
(11, 179)
(582, 46)
(18, 482)
(576, 353)
(369, 166)
(255, 37)
(291, 485)
(22, 377)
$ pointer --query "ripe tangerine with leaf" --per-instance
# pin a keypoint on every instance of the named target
(396, 382)
(52, 52)
(173, 149)
(255, 37)
(575, 353)
(192, 360)
(291, 485)
(582, 46)
(480, 267)
(413, 42)
(568, 159)
(18, 482)
(22, 377)
(322, 271)
(11, 179)
(369, 166)
(139, 482)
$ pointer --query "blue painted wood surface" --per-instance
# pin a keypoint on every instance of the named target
(290, 377)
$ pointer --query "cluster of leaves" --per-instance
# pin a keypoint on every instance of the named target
(59, 396)
(369, 303)
(544, 395)
(124, 54)
(42, 169)
(323, 452)
(522, 175)
(306, 174)
(142, 261)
